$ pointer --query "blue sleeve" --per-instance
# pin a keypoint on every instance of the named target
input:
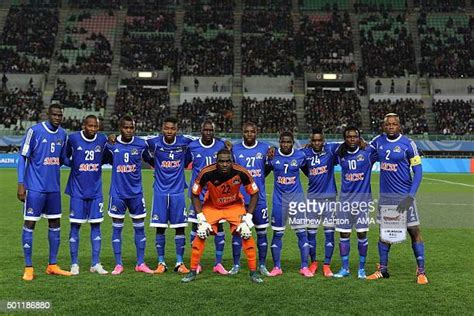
(64, 160)
(417, 177)
(21, 168)
(29, 143)
(188, 157)
(107, 158)
(374, 156)
(332, 147)
(147, 157)
(67, 161)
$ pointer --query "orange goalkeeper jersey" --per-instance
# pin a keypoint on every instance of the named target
(224, 190)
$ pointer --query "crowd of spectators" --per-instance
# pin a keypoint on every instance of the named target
(446, 51)
(324, 43)
(268, 55)
(219, 110)
(148, 107)
(391, 54)
(272, 115)
(28, 39)
(147, 43)
(267, 22)
(440, 5)
(94, 54)
(91, 99)
(283, 5)
(332, 110)
(206, 57)
(411, 113)
(454, 117)
(206, 17)
(17, 106)
(361, 6)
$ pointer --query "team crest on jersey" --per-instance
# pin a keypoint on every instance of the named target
(397, 149)
(214, 155)
(360, 158)
(236, 181)
(29, 211)
(259, 156)
(98, 149)
(294, 163)
(134, 151)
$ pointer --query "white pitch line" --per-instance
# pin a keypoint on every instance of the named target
(450, 182)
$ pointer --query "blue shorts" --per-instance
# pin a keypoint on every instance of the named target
(353, 215)
(192, 214)
(39, 204)
(284, 212)
(260, 216)
(136, 207)
(169, 208)
(321, 211)
(86, 210)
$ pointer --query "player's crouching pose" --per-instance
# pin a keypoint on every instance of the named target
(355, 198)
(126, 191)
(398, 156)
(86, 154)
(41, 154)
(223, 201)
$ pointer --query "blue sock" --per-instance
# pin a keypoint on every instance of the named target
(362, 245)
(54, 237)
(236, 248)
(419, 252)
(276, 246)
(117, 242)
(27, 241)
(180, 242)
(262, 245)
(345, 249)
(328, 245)
(140, 241)
(160, 243)
(312, 243)
(192, 235)
(219, 242)
(96, 243)
(303, 245)
(383, 255)
(74, 242)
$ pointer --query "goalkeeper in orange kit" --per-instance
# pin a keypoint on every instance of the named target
(223, 201)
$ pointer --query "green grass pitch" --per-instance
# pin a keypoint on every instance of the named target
(445, 202)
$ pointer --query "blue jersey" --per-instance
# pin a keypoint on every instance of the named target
(203, 156)
(320, 171)
(356, 170)
(86, 158)
(396, 159)
(127, 167)
(45, 151)
(286, 172)
(254, 160)
(170, 161)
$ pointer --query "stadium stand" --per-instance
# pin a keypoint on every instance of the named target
(219, 110)
(411, 112)
(148, 40)
(282, 5)
(88, 43)
(380, 5)
(446, 45)
(147, 106)
(20, 109)
(271, 114)
(440, 5)
(454, 117)
(332, 111)
(27, 41)
(387, 45)
(324, 43)
(279, 22)
(324, 5)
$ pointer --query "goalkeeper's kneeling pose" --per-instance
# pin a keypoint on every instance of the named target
(223, 201)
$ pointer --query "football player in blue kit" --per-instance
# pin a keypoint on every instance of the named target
(355, 198)
(86, 154)
(42, 153)
(126, 191)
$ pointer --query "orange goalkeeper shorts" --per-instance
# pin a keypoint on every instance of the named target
(232, 214)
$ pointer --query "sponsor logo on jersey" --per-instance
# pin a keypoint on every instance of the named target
(259, 156)
(360, 158)
(226, 199)
(98, 149)
(286, 180)
(170, 164)
(126, 168)
(51, 161)
(318, 170)
(354, 177)
(255, 173)
(294, 163)
(89, 167)
(397, 149)
(387, 166)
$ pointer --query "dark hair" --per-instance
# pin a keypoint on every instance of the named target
(90, 116)
(343, 149)
(286, 134)
(170, 119)
(249, 123)
(224, 151)
(317, 130)
(125, 118)
(208, 122)
(55, 106)
(350, 128)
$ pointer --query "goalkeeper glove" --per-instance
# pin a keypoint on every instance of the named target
(247, 219)
(244, 230)
(204, 228)
(405, 204)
